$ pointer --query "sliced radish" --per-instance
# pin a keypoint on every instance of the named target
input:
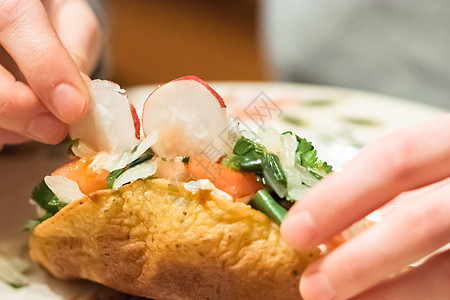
(111, 123)
(190, 117)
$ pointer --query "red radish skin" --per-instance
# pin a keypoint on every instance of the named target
(111, 123)
(190, 118)
(195, 78)
(136, 121)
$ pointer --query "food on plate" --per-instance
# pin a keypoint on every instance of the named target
(175, 202)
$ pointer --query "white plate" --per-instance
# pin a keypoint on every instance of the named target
(338, 122)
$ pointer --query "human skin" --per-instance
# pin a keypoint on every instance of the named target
(411, 166)
(45, 48)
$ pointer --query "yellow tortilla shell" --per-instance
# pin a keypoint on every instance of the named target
(155, 239)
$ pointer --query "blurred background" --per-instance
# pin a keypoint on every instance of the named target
(398, 48)
(215, 40)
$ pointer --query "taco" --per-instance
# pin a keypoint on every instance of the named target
(178, 203)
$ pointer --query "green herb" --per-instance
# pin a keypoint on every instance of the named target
(265, 203)
(231, 163)
(185, 159)
(31, 224)
(73, 143)
(55, 202)
(250, 162)
(113, 175)
(250, 156)
(274, 174)
(43, 195)
(134, 149)
(16, 285)
(147, 155)
(244, 146)
(48, 201)
(306, 155)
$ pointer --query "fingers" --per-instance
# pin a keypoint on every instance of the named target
(429, 281)
(8, 137)
(82, 41)
(35, 122)
(28, 36)
(403, 161)
(406, 235)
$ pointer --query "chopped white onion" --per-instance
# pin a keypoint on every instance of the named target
(295, 187)
(270, 138)
(12, 270)
(250, 135)
(143, 170)
(287, 151)
(299, 179)
(305, 176)
(111, 162)
(231, 134)
(195, 186)
(144, 145)
(65, 189)
(204, 184)
(83, 150)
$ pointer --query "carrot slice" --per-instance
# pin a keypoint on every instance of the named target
(89, 177)
(236, 184)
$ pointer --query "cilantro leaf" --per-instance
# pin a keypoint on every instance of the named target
(48, 201)
(306, 156)
(31, 224)
(43, 195)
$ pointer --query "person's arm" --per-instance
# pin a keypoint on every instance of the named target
(44, 47)
(416, 159)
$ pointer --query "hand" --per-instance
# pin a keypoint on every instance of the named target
(370, 265)
(44, 45)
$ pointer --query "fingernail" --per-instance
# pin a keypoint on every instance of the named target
(298, 229)
(316, 286)
(68, 102)
(46, 128)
